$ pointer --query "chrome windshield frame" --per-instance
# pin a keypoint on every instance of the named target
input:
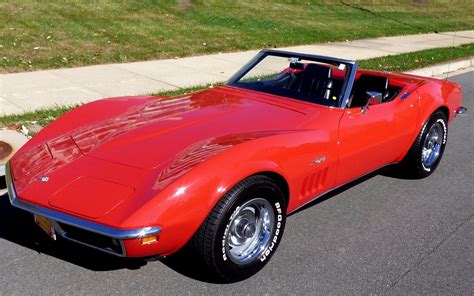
(347, 86)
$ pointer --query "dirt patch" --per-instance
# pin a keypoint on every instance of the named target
(183, 4)
(5, 150)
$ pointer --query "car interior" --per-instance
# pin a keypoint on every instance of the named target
(365, 83)
(311, 82)
(321, 84)
(314, 81)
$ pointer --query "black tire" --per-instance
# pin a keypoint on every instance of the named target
(413, 164)
(211, 243)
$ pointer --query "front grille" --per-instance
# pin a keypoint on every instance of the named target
(92, 239)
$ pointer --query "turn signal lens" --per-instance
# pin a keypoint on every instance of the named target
(149, 240)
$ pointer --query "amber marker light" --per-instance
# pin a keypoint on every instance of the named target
(148, 240)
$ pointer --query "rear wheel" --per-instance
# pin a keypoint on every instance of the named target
(243, 231)
(427, 151)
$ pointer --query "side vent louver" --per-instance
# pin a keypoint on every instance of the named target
(313, 183)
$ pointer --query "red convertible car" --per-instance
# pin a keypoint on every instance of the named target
(220, 169)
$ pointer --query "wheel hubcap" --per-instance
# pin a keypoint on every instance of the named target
(250, 231)
(432, 145)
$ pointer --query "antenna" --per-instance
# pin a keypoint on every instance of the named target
(449, 65)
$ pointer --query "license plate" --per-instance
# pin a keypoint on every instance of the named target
(46, 226)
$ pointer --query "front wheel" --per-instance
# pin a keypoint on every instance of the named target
(427, 151)
(243, 231)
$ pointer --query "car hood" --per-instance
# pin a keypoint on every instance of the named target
(109, 161)
(158, 131)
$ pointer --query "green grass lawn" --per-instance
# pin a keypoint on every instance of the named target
(41, 34)
(419, 59)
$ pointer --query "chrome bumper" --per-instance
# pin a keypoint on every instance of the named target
(58, 218)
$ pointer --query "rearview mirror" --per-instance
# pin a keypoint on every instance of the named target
(375, 98)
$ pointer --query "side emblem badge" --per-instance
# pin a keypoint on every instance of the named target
(44, 179)
(319, 160)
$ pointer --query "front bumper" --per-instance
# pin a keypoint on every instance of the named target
(101, 237)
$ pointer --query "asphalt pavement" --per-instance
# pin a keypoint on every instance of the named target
(383, 236)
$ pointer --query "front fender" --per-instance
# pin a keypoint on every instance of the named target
(181, 207)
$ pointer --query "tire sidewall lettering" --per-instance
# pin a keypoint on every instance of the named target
(273, 242)
(445, 130)
(226, 232)
(276, 235)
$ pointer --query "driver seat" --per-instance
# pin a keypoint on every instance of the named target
(315, 81)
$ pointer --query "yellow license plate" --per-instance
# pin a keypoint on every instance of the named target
(46, 226)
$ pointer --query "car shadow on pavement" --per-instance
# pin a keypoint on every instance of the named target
(17, 226)
(383, 172)
(187, 264)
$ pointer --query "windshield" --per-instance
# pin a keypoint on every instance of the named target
(312, 79)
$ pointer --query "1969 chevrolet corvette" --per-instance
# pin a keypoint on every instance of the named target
(220, 169)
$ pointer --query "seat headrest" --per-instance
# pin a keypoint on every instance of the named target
(318, 70)
(373, 82)
(297, 66)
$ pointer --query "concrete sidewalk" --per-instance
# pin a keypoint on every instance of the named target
(22, 92)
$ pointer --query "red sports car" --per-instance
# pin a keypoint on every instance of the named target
(220, 169)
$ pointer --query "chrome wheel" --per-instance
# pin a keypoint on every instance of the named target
(250, 230)
(432, 145)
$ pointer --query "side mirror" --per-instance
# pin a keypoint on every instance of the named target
(375, 98)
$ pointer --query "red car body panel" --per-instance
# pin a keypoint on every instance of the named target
(153, 161)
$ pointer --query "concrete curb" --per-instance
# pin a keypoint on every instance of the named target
(445, 68)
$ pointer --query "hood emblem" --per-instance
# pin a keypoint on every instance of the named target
(44, 179)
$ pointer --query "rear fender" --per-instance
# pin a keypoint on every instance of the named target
(434, 95)
(439, 94)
